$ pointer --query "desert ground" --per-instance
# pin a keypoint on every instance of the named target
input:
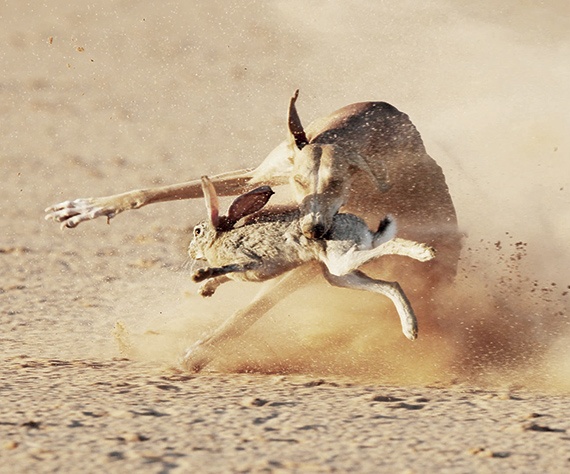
(103, 97)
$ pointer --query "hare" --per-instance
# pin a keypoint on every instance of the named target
(269, 244)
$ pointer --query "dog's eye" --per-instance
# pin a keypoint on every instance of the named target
(197, 231)
(301, 181)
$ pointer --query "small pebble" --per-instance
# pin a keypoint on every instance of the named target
(253, 402)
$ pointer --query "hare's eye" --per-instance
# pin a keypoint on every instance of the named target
(197, 231)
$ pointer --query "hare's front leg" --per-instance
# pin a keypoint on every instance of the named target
(209, 287)
(360, 281)
(217, 272)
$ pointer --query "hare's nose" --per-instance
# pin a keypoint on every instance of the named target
(313, 226)
(316, 231)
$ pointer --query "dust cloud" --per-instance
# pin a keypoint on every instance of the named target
(496, 326)
(487, 86)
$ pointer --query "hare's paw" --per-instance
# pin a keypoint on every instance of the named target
(208, 288)
(72, 213)
(424, 252)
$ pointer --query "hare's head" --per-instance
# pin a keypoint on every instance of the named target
(207, 232)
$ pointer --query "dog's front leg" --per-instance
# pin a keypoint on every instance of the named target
(207, 349)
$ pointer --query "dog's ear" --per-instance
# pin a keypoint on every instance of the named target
(296, 131)
(248, 203)
(212, 203)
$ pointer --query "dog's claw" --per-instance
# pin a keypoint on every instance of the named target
(195, 359)
(73, 213)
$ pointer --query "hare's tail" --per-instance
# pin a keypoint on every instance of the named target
(387, 230)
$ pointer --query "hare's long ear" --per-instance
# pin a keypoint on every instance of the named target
(296, 131)
(248, 203)
(211, 198)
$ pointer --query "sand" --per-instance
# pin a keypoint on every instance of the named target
(111, 96)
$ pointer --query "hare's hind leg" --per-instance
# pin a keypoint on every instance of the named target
(206, 349)
(407, 248)
(340, 261)
(359, 281)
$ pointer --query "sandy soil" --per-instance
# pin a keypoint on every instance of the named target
(112, 96)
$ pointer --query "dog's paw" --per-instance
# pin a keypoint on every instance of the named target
(71, 213)
(194, 360)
